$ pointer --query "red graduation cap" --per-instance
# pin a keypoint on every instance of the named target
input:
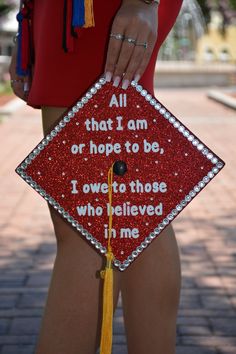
(119, 167)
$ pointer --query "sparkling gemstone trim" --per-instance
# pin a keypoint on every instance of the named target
(217, 165)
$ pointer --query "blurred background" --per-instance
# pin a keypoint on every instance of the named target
(195, 78)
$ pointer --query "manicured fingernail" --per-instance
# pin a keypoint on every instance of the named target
(125, 84)
(116, 81)
(137, 77)
(108, 76)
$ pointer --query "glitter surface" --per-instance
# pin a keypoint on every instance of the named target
(167, 167)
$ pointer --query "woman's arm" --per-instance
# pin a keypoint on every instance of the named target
(20, 84)
(126, 61)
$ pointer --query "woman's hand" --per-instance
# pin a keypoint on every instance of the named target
(126, 61)
(20, 84)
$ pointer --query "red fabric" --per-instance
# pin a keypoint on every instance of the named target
(25, 40)
(69, 38)
(60, 78)
(25, 44)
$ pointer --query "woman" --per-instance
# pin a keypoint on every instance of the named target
(150, 287)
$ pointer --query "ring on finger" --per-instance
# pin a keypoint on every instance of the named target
(16, 80)
(130, 40)
(143, 44)
(117, 36)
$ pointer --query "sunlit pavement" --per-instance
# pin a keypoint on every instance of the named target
(205, 232)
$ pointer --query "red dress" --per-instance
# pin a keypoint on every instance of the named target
(60, 78)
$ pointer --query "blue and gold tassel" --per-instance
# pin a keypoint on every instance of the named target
(78, 14)
(78, 18)
(24, 39)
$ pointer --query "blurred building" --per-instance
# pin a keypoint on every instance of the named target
(217, 45)
(8, 28)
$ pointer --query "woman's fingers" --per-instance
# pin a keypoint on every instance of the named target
(26, 88)
(126, 52)
(17, 86)
(113, 51)
(20, 86)
(133, 37)
(134, 63)
(133, 58)
(135, 70)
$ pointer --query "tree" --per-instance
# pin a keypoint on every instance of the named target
(5, 7)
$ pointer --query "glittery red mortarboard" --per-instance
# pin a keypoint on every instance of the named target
(167, 166)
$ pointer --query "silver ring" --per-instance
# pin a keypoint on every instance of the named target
(117, 36)
(144, 44)
(130, 40)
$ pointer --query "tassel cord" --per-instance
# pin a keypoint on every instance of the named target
(110, 181)
(78, 18)
(107, 275)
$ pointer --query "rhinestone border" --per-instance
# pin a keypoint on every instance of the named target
(218, 165)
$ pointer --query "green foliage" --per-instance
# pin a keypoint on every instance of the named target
(233, 3)
(5, 88)
(226, 7)
(205, 9)
(5, 7)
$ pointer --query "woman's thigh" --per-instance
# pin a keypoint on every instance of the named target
(64, 232)
(150, 291)
(72, 318)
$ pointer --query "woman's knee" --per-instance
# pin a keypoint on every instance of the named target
(64, 232)
(155, 274)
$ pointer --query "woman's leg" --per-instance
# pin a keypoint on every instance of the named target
(150, 287)
(72, 317)
(150, 290)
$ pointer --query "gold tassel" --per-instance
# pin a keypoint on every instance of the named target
(107, 317)
(107, 275)
(88, 14)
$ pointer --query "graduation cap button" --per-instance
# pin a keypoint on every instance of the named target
(120, 168)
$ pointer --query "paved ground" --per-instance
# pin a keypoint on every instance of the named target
(205, 232)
